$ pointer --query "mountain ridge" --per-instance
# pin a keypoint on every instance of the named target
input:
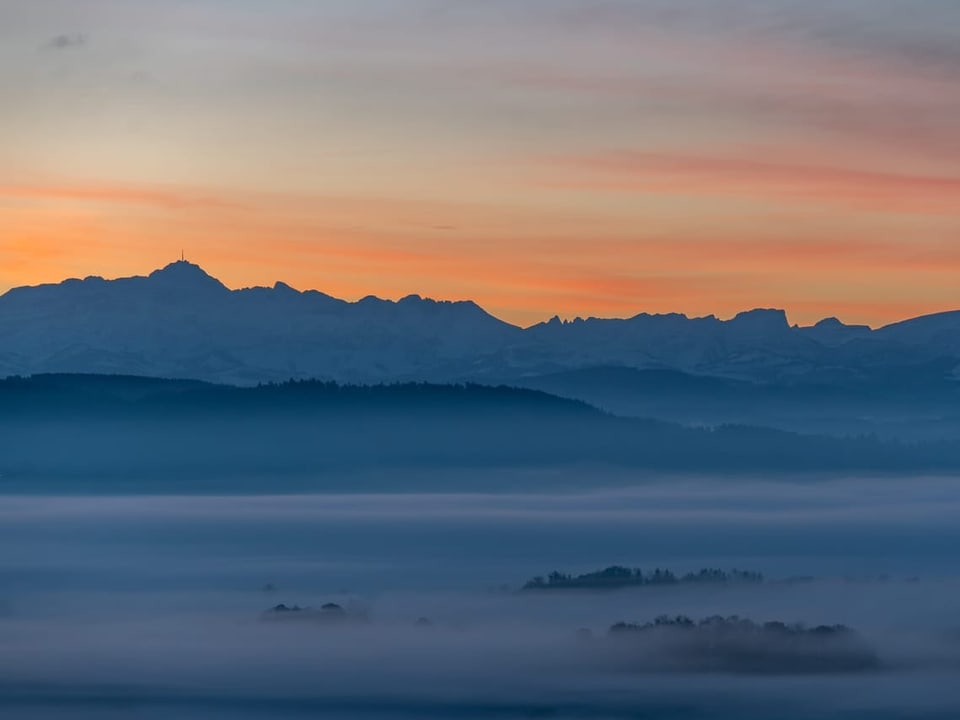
(180, 321)
(181, 270)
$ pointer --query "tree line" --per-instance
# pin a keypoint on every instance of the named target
(617, 576)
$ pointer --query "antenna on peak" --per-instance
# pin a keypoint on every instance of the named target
(183, 256)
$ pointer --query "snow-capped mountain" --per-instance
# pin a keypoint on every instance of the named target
(181, 322)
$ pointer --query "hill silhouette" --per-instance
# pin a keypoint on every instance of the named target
(128, 427)
(915, 403)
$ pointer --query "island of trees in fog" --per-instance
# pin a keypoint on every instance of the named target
(677, 643)
(617, 576)
(332, 613)
(739, 645)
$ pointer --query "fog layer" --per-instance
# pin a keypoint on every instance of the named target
(126, 606)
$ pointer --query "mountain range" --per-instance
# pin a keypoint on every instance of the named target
(181, 322)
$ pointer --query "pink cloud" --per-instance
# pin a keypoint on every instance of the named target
(664, 173)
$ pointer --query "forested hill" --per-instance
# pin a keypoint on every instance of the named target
(97, 426)
(104, 396)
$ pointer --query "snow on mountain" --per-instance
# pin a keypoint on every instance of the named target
(181, 322)
(754, 341)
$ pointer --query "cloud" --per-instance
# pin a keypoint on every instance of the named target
(666, 173)
(847, 78)
(66, 41)
(915, 37)
(113, 194)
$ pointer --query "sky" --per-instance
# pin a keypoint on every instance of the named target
(571, 157)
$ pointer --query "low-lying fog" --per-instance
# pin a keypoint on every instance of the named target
(153, 607)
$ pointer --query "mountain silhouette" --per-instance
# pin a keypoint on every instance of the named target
(181, 322)
(70, 431)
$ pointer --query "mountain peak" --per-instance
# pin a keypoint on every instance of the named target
(763, 319)
(836, 325)
(282, 287)
(185, 274)
(180, 268)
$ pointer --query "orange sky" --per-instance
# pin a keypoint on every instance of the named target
(541, 159)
